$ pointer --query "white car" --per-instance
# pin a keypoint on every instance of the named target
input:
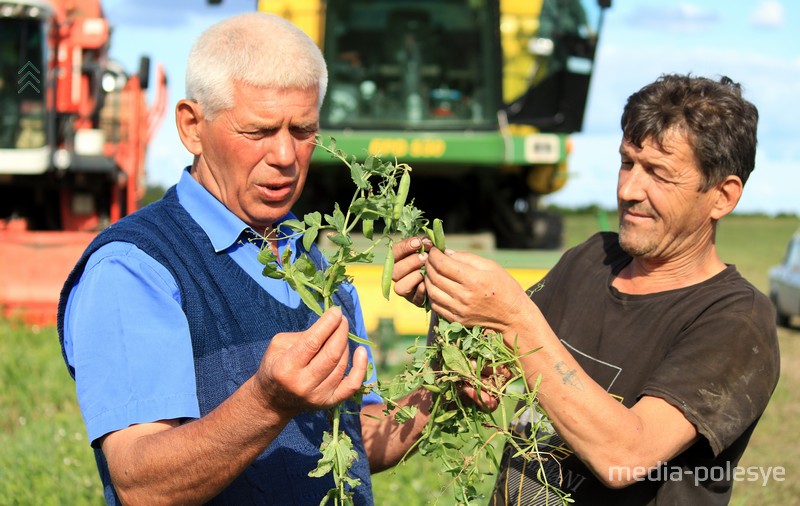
(784, 283)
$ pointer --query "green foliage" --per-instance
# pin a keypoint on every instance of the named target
(462, 438)
(45, 458)
(338, 457)
(754, 244)
(381, 193)
(459, 356)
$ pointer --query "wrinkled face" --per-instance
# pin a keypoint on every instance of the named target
(254, 156)
(663, 215)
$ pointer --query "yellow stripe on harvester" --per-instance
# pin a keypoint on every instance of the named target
(408, 319)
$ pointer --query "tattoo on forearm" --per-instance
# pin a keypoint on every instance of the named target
(568, 376)
(539, 287)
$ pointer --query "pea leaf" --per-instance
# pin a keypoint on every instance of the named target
(266, 256)
(313, 219)
(369, 162)
(455, 360)
(272, 271)
(365, 257)
(310, 236)
(295, 225)
(337, 219)
(325, 464)
(359, 177)
(405, 413)
(305, 266)
(340, 240)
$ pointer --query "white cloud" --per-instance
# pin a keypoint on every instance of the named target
(768, 14)
(682, 17)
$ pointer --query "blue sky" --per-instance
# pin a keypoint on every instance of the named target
(755, 42)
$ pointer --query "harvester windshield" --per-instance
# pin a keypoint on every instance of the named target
(408, 64)
(453, 64)
(22, 109)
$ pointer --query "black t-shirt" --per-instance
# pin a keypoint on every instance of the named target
(710, 350)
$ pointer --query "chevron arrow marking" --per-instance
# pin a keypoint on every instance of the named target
(26, 66)
(29, 84)
(26, 75)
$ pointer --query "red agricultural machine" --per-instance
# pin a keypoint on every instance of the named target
(74, 127)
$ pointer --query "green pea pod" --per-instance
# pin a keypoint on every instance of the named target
(429, 232)
(438, 234)
(368, 227)
(445, 416)
(359, 340)
(386, 278)
(402, 195)
(307, 297)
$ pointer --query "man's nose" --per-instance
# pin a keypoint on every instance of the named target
(631, 184)
(281, 151)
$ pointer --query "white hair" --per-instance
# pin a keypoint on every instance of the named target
(256, 48)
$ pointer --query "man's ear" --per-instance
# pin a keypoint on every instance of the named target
(189, 120)
(728, 193)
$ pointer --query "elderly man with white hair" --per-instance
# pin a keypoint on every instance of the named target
(200, 380)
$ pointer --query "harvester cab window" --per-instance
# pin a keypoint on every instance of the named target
(565, 24)
(548, 61)
(409, 64)
(22, 111)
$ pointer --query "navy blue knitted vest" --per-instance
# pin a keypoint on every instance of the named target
(231, 321)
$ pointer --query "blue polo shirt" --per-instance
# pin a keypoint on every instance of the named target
(127, 336)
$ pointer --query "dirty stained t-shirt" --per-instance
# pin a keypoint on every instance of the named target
(709, 349)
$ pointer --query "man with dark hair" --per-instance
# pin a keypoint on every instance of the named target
(656, 358)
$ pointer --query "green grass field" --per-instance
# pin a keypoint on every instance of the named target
(45, 458)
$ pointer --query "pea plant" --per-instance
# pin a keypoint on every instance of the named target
(459, 434)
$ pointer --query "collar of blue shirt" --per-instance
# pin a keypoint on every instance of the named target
(222, 227)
